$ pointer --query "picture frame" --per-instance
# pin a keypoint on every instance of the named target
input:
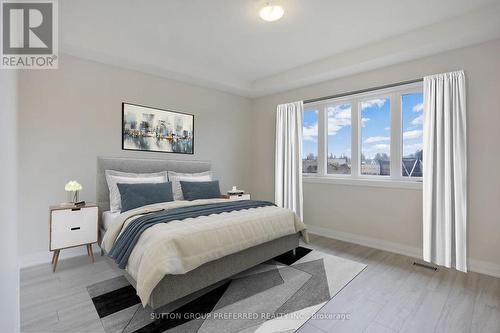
(152, 129)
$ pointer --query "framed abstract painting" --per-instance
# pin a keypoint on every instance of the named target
(151, 129)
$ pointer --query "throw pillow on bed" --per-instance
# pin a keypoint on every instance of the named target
(200, 190)
(138, 195)
(114, 177)
(177, 177)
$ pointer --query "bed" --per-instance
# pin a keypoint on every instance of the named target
(175, 287)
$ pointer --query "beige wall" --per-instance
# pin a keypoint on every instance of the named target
(9, 271)
(394, 215)
(70, 116)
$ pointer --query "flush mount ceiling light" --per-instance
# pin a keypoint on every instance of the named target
(271, 13)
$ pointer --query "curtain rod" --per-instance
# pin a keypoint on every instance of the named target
(312, 100)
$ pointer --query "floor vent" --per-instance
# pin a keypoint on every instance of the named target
(425, 266)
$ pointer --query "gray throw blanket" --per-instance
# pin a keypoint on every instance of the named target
(125, 243)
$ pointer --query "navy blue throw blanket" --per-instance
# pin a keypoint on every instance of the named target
(125, 243)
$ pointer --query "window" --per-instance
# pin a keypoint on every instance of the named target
(375, 135)
(339, 139)
(310, 141)
(413, 121)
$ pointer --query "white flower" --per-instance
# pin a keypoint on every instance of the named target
(73, 186)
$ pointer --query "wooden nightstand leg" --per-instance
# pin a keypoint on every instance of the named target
(54, 259)
(91, 253)
(88, 252)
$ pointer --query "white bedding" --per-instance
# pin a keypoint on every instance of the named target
(180, 246)
(108, 218)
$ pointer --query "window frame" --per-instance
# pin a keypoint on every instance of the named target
(396, 178)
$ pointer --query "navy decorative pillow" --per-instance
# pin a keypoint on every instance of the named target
(200, 190)
(138, 195)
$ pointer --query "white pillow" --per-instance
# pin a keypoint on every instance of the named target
(117, 177)
(176, 177)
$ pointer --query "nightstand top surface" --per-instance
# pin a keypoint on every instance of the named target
(69, 206)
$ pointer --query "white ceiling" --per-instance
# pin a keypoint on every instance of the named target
(225, 45)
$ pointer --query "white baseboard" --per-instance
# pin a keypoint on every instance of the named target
(475, 265)
(367, 241)
(45, 257)
(484, 267)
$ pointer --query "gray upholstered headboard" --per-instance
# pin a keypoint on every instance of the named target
(139, 166)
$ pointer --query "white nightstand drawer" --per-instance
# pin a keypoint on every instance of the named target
(245, 196)
(72, 227)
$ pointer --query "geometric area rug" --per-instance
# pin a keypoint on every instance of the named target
(277, 296)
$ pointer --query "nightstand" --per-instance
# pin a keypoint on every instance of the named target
(72, 226)
(241, 196)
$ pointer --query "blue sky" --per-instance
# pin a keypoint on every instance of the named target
(413, 118)
(375, 131)
(310, 132)
(339, 130)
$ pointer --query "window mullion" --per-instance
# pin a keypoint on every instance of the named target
(355, 139)
(396, 136)
(322, 140)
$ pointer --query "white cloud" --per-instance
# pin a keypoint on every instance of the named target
(419, 120)
(344, 114)
(371, 151)
(378, 102)
(378, 148)
(387, 128)
(339, 116)
(382, 146)
(364, 121)
(415, 134)
(410, 149)
(419, 107)
(373, 139)
(310, 133)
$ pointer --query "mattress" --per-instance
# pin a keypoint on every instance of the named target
(107, 218)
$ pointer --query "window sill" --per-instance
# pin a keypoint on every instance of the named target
(387, 183)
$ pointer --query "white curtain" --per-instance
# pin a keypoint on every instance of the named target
(445, 170)
(288, 161)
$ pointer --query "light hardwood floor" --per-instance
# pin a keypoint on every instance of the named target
(393, 295)
(390, 295)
